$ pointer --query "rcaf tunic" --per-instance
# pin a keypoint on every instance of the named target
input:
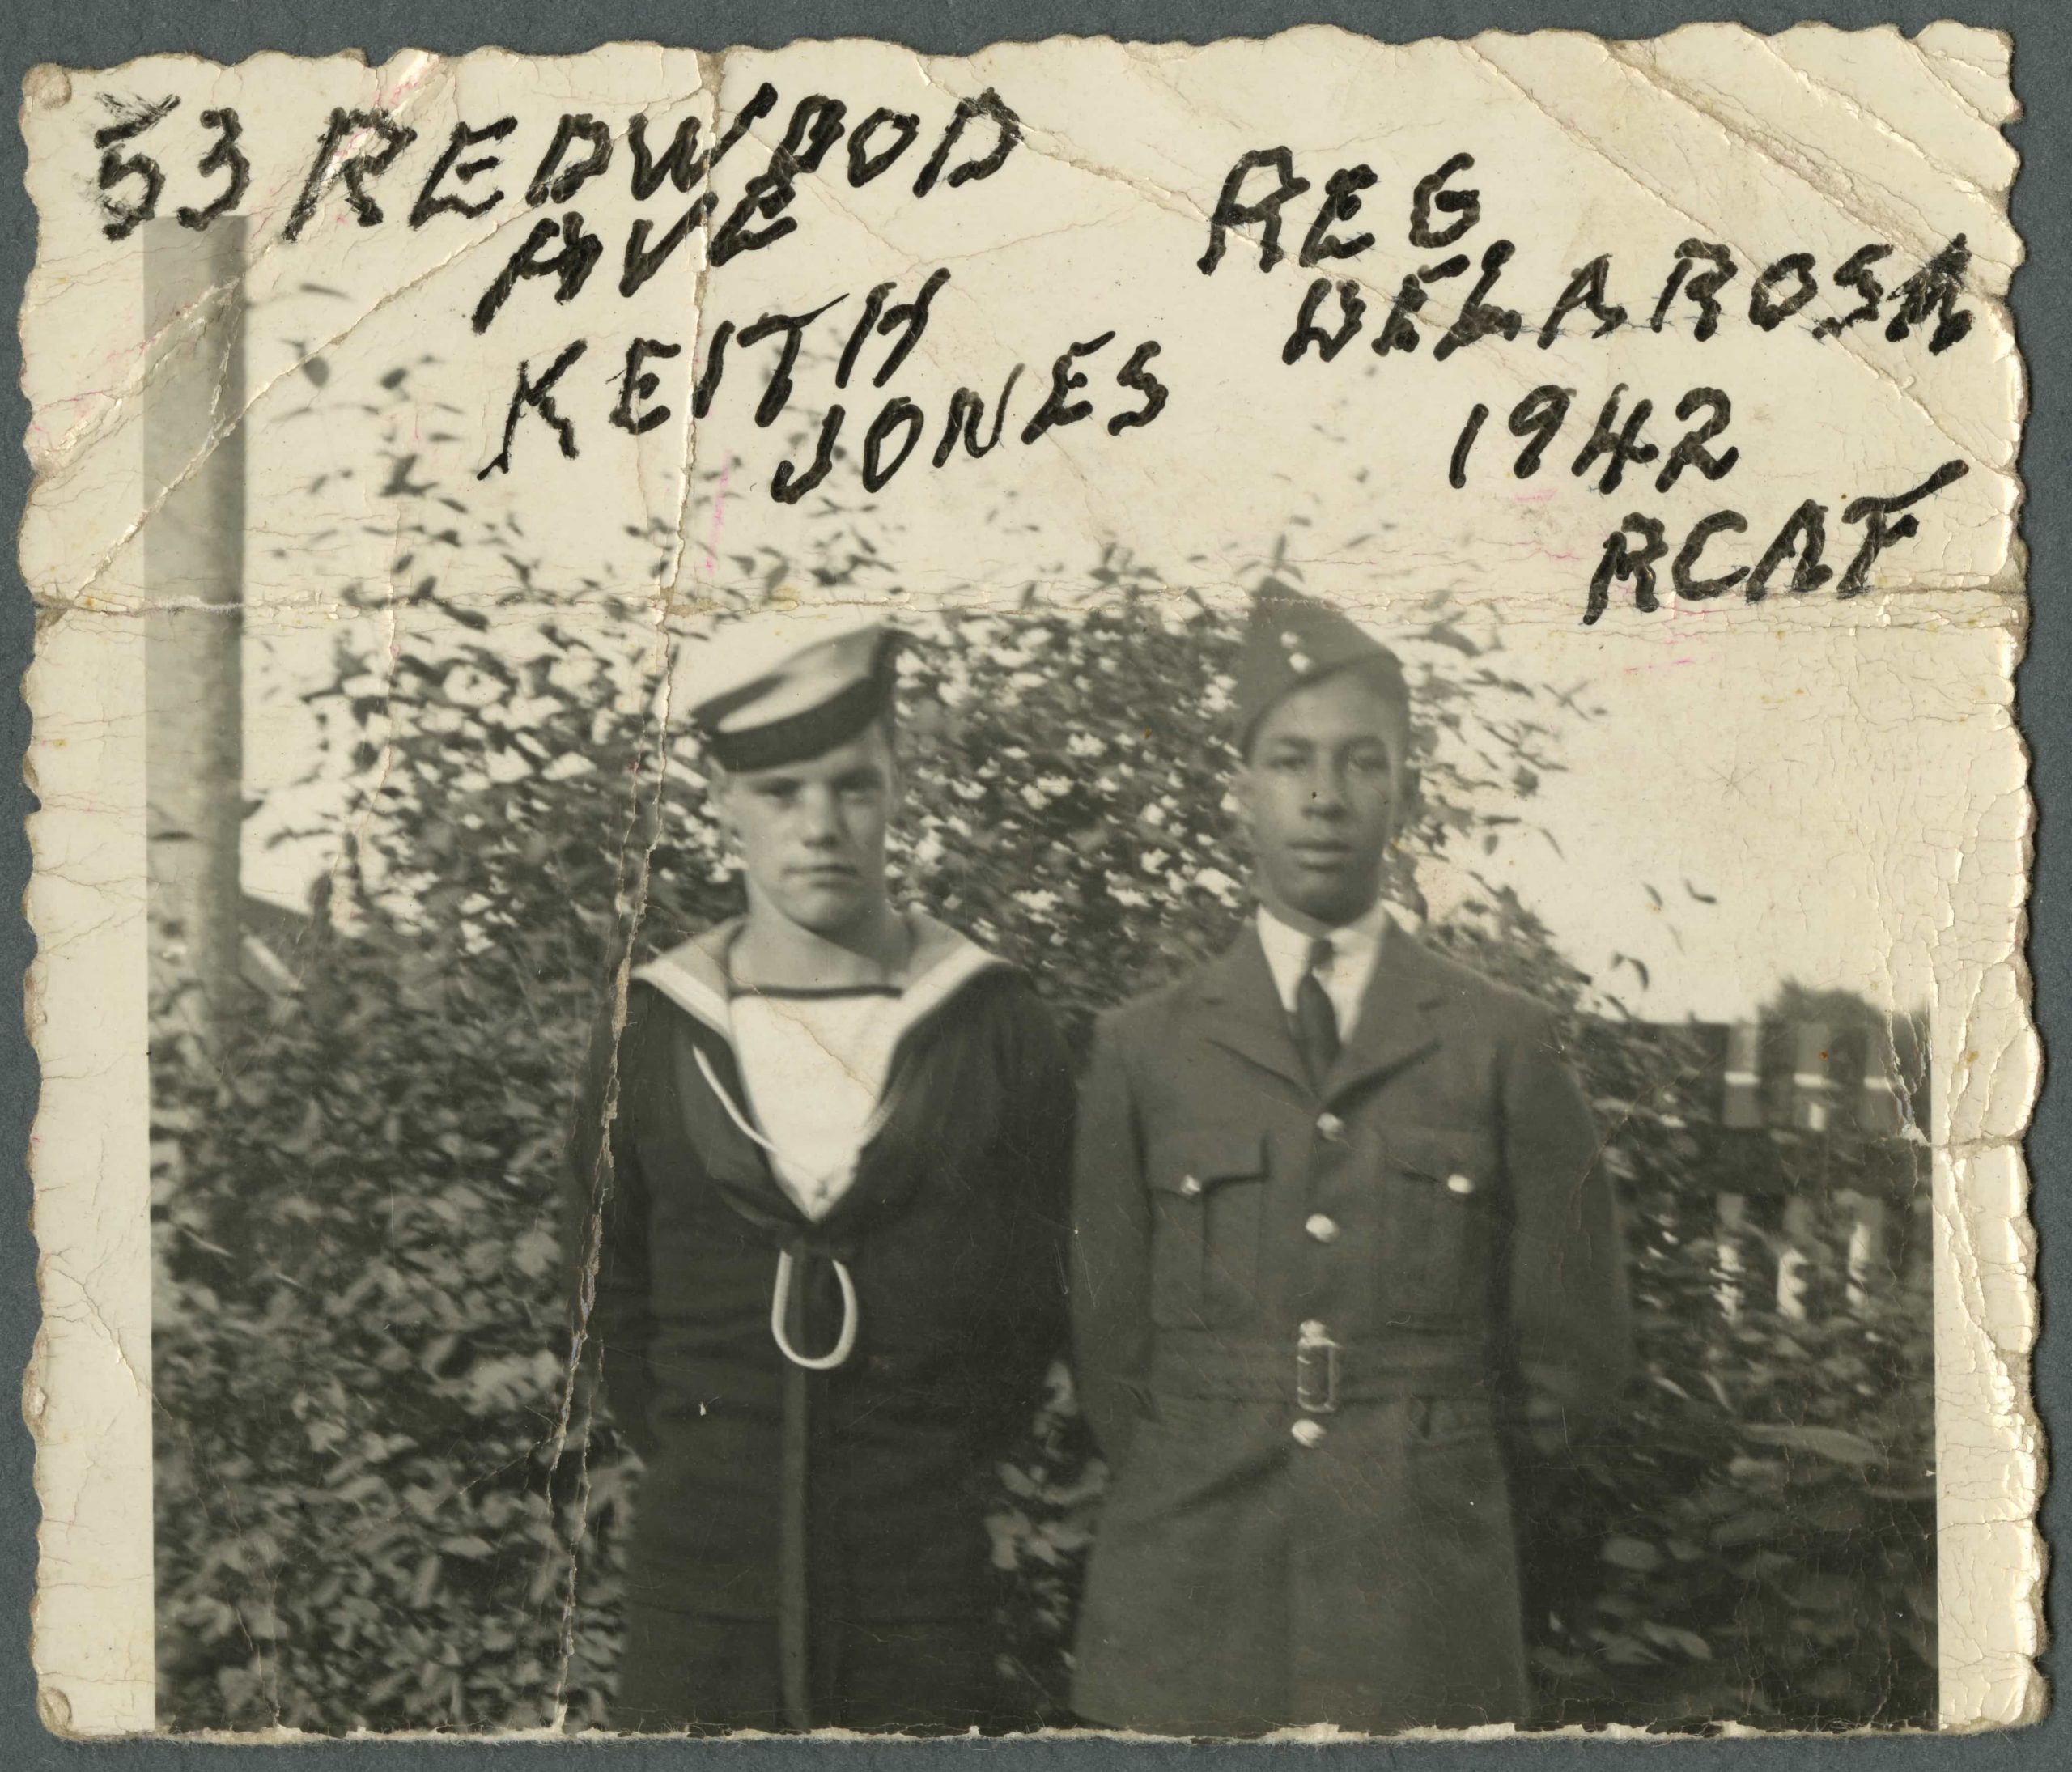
(1305, 1316)
(775, 1490)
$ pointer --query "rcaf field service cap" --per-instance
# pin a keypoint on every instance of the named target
(1293, 641)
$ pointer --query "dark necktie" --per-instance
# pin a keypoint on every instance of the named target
(1316, 1022)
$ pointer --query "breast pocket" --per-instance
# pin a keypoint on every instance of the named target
(1206, 1189)
(1441, 1219)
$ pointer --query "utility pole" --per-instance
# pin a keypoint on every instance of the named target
(193, 541)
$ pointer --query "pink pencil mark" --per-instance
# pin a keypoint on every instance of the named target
(718, 520)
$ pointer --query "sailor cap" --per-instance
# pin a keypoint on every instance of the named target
(778, 687)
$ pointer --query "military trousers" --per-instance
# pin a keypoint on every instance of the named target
(683, 1671)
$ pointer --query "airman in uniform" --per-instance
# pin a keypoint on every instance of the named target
(1339, 1224)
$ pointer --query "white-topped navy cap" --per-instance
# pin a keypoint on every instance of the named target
(781, 686)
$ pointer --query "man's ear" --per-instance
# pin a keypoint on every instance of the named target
(1242, 783)
(895, 765)
(718, 796)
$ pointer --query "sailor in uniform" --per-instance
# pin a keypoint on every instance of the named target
(1339, 1224)
(820, 1189)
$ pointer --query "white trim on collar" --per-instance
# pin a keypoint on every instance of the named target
(670, 975)
(691, 976)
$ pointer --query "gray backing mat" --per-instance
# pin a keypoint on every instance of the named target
(82, 32)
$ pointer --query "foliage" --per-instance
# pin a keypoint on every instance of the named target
(356, 1362)
(381, 1503)
(1751, 1536)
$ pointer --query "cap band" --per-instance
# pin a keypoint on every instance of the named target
(801, 736)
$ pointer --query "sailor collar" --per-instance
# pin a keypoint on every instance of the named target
(693, 974)
(694, 977)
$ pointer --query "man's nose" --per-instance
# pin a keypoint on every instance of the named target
(820, 820)
(1327, 797)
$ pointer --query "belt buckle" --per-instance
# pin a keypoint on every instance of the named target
(1316, 1370)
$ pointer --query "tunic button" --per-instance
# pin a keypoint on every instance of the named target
(1308, 1432)
(1460, 1184)
(1191, 1186)
(1323, 1229)
(1332, 1127)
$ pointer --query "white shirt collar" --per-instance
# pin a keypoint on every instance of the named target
(1356, 946)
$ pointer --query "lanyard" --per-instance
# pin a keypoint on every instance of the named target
(780, 1294)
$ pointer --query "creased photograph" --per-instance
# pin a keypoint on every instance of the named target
(1170, 890)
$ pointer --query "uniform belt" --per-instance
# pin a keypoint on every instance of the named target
(1314, 1374)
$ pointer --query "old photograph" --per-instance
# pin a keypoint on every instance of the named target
(1131, 888)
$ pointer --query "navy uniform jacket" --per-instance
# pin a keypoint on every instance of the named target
(953, 1230)
(1326, 1536)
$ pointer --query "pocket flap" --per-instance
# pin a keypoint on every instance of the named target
(1206, 1157)
(1461, 1161)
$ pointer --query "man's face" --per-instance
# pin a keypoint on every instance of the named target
(811, 834)
(1319, 794)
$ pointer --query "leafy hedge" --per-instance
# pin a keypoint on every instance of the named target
(1751, 1537)
(380, 1502)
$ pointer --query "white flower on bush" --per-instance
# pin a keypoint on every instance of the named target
(466, 687)
(1127, 895)
(1084, 744)
(522, 713)
(1154, 861)
(1041, 904)
(1218, 885)
(573, 670)
(1154, 813)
